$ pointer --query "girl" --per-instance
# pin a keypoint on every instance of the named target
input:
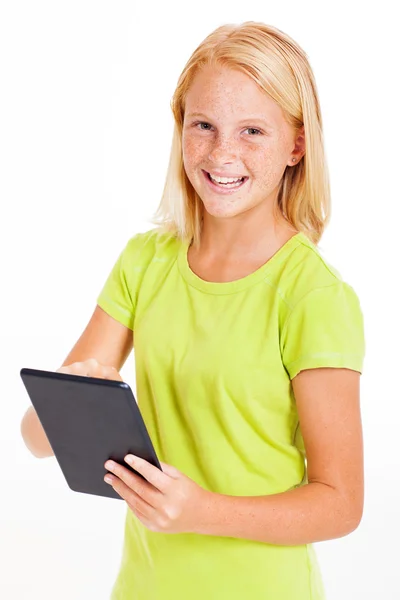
(248, 345)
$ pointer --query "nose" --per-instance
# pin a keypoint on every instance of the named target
(223, 151)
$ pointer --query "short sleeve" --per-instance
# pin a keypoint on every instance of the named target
(116, 297)
(324, 329)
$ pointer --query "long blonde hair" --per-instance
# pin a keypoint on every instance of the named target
(281, 68)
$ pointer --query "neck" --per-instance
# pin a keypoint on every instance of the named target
(241, 238)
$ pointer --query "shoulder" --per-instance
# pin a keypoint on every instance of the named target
(321, 320)
(142, 248)
(306, 273)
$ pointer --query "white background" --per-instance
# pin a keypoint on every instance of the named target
(85, 135)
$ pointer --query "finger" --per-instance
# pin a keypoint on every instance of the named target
(76, 368)
(140, 486)
(139, 515)
(73, 369)
(149, 523)
(152, 474)
(170, 470)
(91, 364)
(81, 368)
(134, 501)
(111, 373)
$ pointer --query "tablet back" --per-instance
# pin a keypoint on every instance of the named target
(87, 421)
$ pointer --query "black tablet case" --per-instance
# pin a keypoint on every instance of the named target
(88, 420)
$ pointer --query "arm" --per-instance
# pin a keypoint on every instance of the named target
(331, 504)
(104, 339)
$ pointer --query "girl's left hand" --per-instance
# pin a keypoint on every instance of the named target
(165, 501)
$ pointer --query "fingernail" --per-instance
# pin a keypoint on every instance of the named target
(130, 459)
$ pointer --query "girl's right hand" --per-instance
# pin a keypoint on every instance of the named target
(91, 368)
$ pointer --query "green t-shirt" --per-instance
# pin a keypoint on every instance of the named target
(214, 363)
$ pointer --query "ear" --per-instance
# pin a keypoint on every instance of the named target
(299, 149)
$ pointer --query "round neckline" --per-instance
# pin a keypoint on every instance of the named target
(229, 287)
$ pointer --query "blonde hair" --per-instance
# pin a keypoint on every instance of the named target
(281, 68)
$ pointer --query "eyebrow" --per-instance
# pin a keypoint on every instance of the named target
(250, 118)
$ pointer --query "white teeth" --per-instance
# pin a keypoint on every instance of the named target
(225, 179)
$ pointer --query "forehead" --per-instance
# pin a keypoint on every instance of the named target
(226, 93)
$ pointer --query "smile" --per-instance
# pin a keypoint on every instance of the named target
(223, 187)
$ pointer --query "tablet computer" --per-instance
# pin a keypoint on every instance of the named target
(88, 420)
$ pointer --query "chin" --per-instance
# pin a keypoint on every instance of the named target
(224, 211)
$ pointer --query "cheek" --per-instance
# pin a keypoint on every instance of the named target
(193, 151)
(267, 166)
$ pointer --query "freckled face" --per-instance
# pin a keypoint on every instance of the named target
(232, 128)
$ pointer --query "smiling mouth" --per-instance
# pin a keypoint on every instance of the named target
(226, 185)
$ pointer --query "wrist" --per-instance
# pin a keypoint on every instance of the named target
(206, 513)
